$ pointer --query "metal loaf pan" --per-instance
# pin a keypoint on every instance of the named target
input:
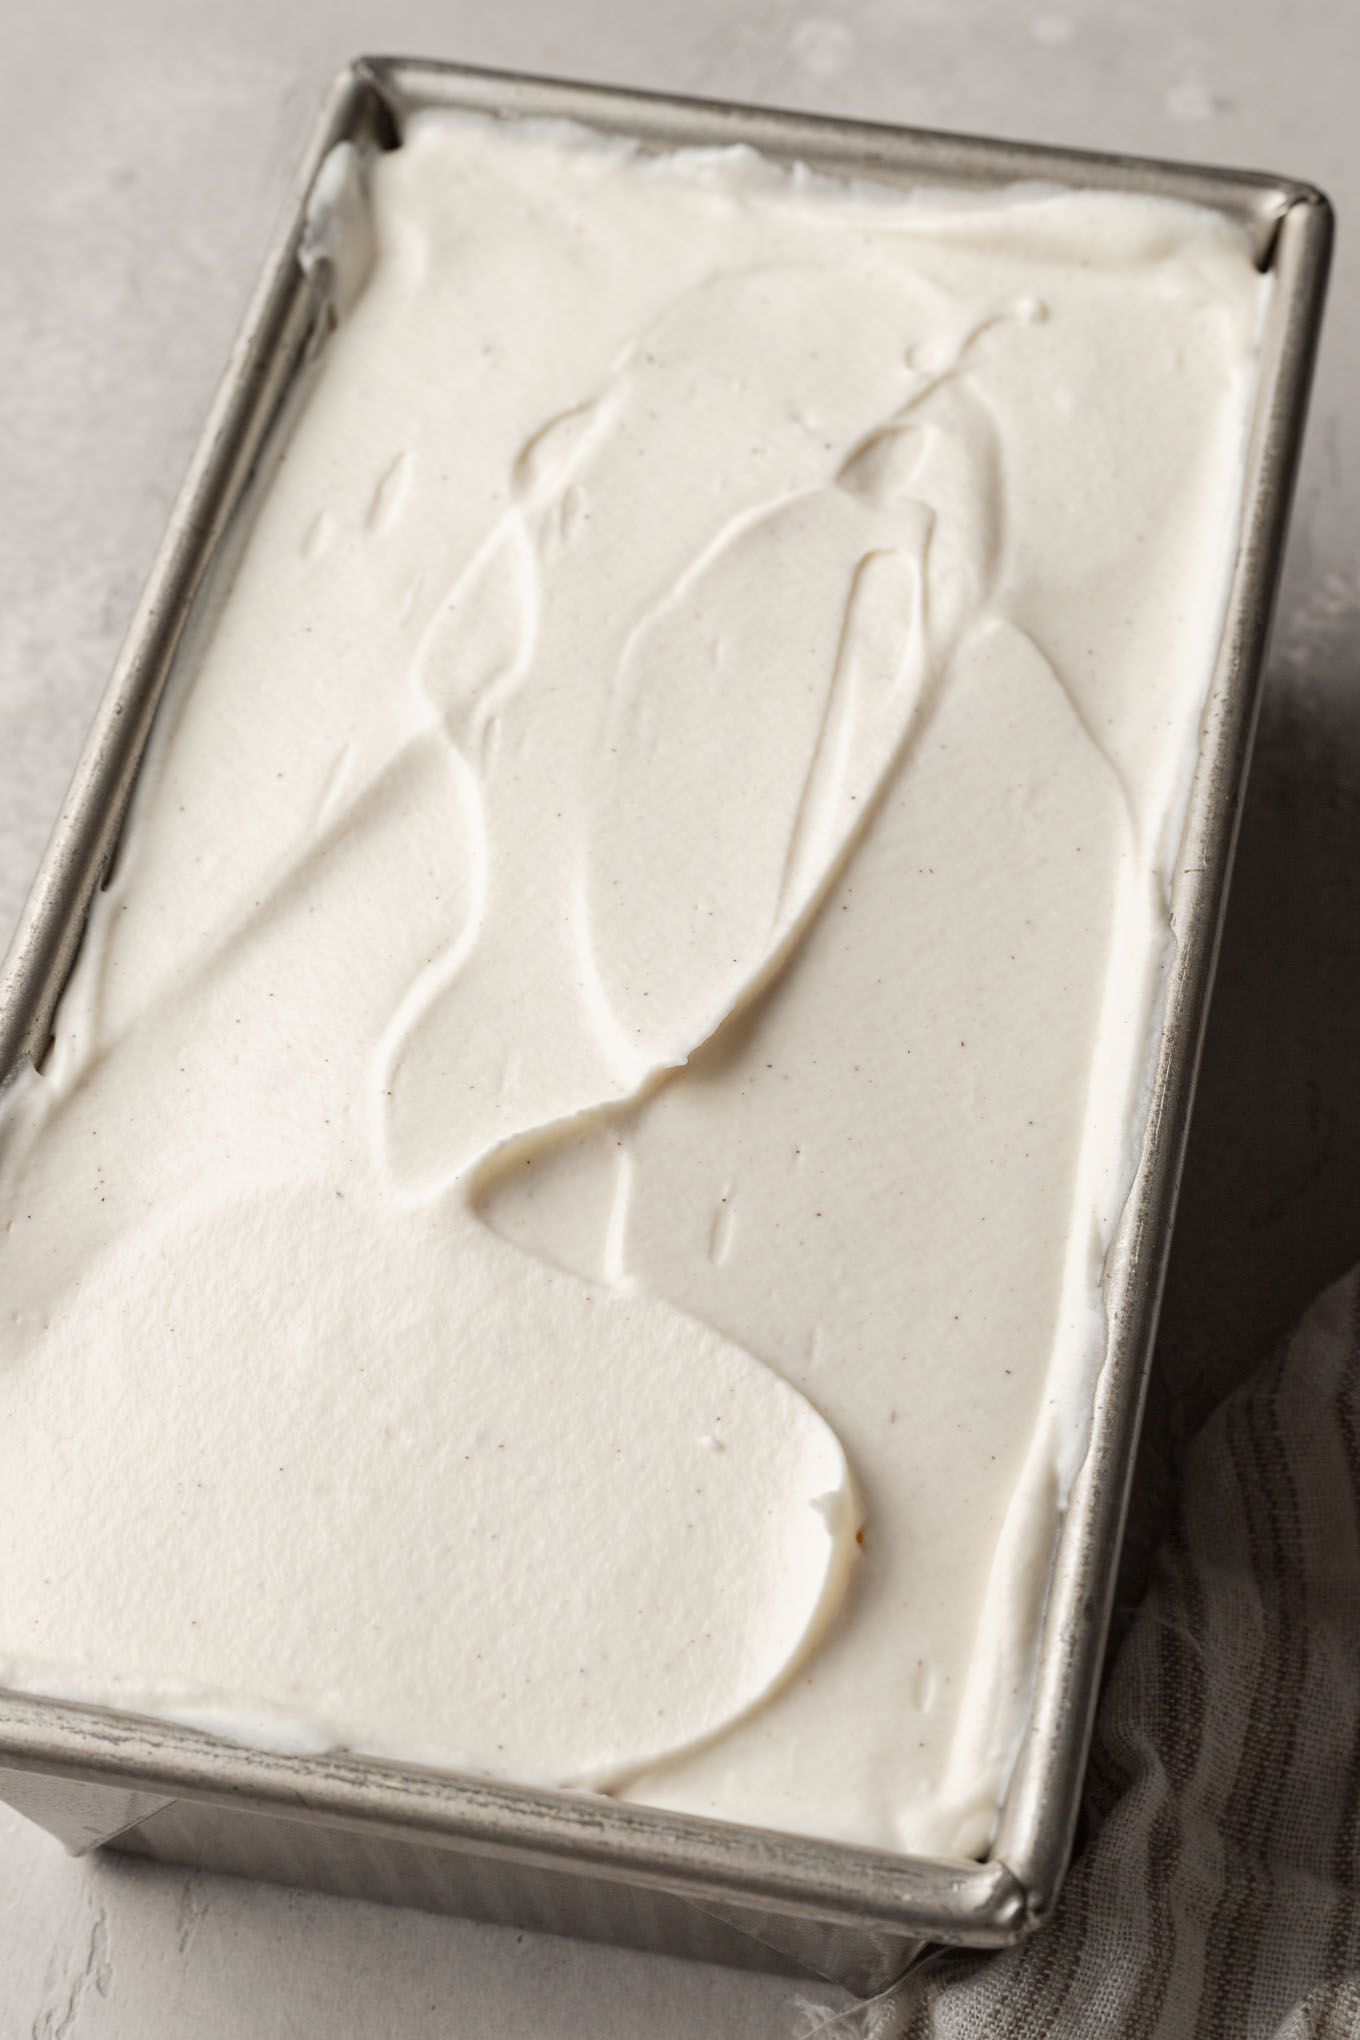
(577, 1864)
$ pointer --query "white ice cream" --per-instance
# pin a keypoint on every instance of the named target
(561, 1230)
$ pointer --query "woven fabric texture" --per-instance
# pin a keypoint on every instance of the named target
(1216, 1893)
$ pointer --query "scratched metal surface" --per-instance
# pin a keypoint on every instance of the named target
(148, 149)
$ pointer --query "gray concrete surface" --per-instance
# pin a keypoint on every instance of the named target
(145, 150)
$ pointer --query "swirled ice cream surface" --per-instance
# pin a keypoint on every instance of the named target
(561, 1230)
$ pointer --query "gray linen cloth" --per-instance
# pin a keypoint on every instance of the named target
(1215, 1894)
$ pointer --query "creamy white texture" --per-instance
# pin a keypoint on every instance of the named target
(609, 1064)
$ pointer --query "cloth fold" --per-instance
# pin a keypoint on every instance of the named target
(1217, 1893)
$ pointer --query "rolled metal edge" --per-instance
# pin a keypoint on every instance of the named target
(278, 324)
(964, 1903)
